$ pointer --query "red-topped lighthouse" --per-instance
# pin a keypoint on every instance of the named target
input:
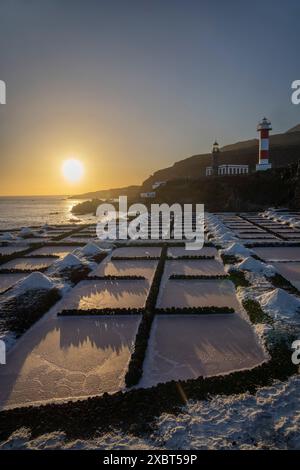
(264, 127)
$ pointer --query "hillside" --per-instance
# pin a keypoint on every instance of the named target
(284, 149)
(130, 191)
(253, 192)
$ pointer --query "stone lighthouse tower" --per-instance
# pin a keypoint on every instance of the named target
(264, 127)
(215, 158)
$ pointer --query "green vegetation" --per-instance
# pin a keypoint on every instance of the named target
(239, 279)
(210, 310)
(111, 277)
(279, 281)
(17, 314)
(21, 271)
(229, 259)
(135, 368)
(99, 312)
(255, 312)
(198, 277)
(192, 257)
(75, 275)
(134, 258)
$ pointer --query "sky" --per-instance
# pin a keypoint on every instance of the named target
(131, 86)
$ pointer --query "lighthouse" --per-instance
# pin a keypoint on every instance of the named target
(264, 127)
(215, 158)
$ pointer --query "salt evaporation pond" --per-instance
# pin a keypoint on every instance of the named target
(137, 251)
(291, 236)
(68, 357)
(28, 264)
(186, 347)
(256, 236)
(82, 240)
(195, 267)
(251, 231)
(110, 267)
(178, 251)
(253, 239)
(34, 240)
(280, 253)
(290, 271)
(9, 280)
(60, 251)
(107, 294)
(197, 293)
(9, 250)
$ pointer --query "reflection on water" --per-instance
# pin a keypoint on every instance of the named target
(67, 358)
(107, 294)
(191, 346)
(195, 293)
(32, 210)
(110, 267)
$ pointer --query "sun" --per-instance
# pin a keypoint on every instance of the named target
(73, 170)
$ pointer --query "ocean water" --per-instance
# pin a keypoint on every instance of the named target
(27, 211)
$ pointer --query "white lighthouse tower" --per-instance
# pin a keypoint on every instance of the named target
(264, 127)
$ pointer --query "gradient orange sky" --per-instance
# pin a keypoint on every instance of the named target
(132, 87)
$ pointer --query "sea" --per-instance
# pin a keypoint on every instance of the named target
(27, 211)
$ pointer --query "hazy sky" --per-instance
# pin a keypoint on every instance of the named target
(131, 86)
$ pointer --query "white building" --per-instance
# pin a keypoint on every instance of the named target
(157, 184)
(148, 195)
(228, 170)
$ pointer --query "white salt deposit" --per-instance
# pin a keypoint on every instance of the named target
(91, 250)
(7, 236)
(237, 249)
(281, 305)
(26, 232)
(256, 266)
(268, 419)
(104, 244)
(69, 261)
(32, 282)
